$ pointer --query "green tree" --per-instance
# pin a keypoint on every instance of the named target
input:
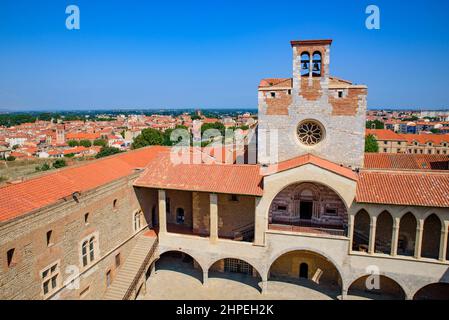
(148, 137)
(60, 163)
(100, 143)
(244, 127)
(44, 167)
(377, 124)
(107, 151)
(371, 145)
(73, 143)
(69, 155)
(10, 158)
(86, 143)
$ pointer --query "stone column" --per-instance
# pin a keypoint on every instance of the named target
(153, 268)
(213, 214)
(351, 231)
(265, 285)
(418, 241)
(260, 224)
(443, 241)
(205, 277)
(162, 212)
(372, 235)
(395, 236)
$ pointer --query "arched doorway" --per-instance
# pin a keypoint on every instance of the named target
(304, 271)
(407, 235)
(307, 269)
(434, 291)
(375, 287)
(431, 237)
(360, 238)
(179, 262)
(310, 208)
(384, 231)
(236, 270)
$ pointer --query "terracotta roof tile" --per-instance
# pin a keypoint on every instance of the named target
(309, 158)
(403, 188)
(220, 178)
(406, 161)
(385, 134)
(24, 197)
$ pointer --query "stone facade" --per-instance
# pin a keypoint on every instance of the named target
(112, 227)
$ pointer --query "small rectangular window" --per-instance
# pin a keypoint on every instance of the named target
(282, 208)
(331, 212)
(340, 94)
(49, 238)
(108, 278)
(289, 92)
(86, 218)
(84, 292)
(11, 257)
(273, 94)
(117, 260)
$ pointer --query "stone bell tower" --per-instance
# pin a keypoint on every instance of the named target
(312, 112)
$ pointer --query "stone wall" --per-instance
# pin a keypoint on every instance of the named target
(111, 226)
(343, 118)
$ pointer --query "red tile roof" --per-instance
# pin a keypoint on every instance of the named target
(437, 139)
(406, 161)
(311, 159)
(276, 82)
(403, 188)
(219, 178)
(24, 197)
(385, 134)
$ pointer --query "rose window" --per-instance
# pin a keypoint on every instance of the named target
(310, 133)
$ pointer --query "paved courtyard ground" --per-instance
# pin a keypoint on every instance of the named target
(175, 280)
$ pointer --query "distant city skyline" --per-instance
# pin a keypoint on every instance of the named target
(213, 54)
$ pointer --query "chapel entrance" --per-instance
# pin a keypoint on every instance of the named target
(305, 210)
(304, 271)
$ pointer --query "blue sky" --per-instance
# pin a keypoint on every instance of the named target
(154, 54)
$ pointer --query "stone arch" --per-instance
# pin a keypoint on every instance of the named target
(305, 249)
(361, 234)
(237, 269)
(384, 288)
(200, 261)
(431, 237)
(384, 232)
(433, 291)
(308, 204)
(322, 271)
(407, 234)
(256, 268)
(197, 270)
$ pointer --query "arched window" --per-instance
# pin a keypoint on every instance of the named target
(305, 64)
(88, 251)
(180, 217)
(304, 271)
(431, 237)
(317, 63)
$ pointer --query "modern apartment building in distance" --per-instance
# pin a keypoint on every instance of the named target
(325, 215)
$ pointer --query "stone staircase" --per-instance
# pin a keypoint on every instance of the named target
(129, 275)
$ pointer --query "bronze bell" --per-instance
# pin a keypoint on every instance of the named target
(316, 67)
(305, 66)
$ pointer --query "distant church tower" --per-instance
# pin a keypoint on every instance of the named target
(60, 134)
(312, 112)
